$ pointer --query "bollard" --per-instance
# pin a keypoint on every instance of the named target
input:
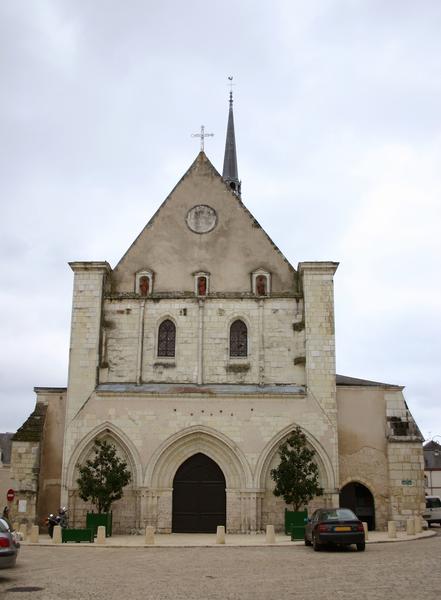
(366, 533)
(35, 531)
(220, 534)
(270, 535)
(392, 529)
(410, 526)
(56, 537)
(149, 535)
(101, 535)
(24, 530)
(418, 525)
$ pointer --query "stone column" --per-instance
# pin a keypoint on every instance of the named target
(261, 343)
(140, 342)
(201, 305)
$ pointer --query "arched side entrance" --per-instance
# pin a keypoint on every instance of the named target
(359, 499)
(199, 496)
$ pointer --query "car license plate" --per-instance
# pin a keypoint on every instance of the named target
(342, 529)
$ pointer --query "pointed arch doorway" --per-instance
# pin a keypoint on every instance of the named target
(199, 496)
(359, 499)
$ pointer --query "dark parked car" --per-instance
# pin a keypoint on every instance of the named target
(8, 546)
(334, 526)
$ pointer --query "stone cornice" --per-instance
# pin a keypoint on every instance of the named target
(318, 267)
(188, 390)
(102, 266)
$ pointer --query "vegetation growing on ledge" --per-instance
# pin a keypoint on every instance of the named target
(236, 368)
(300, 326)
(300, 360)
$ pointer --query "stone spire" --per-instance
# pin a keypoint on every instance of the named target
(229, 173)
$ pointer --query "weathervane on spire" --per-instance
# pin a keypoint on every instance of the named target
(202, 135)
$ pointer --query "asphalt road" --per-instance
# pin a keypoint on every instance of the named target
(406, 570)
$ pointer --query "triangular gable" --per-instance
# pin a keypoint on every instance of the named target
(224, 240)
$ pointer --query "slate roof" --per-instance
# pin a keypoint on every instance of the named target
(32, 428)
(432, 455)
(354, 381)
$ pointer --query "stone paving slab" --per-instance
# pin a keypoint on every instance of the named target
(188, 540)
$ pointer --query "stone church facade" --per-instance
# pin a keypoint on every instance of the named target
(196, 356)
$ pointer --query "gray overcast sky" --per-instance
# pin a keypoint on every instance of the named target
(337, 113)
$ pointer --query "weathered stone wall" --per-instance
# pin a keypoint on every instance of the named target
(131, 329)
(317, 279)
(405, 460)
(25, 464)
(6, 482)
(230, 252)
(157, 434)
(85, 337)
(363, 444)
(406, 479)
(51, 452)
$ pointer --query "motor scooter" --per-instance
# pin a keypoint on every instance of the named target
(51, 521)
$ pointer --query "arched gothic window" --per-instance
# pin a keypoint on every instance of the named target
(238, 339)
(166, 338)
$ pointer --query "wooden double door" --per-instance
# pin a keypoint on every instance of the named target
(199, 496)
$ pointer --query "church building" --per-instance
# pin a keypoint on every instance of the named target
(197, 355)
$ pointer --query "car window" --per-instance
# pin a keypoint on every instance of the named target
(338, 514)
(3, 526)
(433, 503)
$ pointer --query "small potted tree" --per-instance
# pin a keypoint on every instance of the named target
(102, 480)
(296, 479)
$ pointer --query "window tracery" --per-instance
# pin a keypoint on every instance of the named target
(166, 338)
(238, 339)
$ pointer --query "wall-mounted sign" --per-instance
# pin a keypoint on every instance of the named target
(22, 506)
(406, 482)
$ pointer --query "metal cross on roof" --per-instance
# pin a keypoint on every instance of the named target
(202, 135)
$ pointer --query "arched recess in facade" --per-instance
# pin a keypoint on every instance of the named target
(124, 517)
(358, 495)
(326, 470)
(272, 507)
(177, 449)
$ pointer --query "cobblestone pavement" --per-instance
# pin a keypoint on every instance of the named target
(406, 570)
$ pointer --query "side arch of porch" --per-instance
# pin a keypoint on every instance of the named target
(126, 511)
(272, 507)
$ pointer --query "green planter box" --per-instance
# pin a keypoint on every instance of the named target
(94, 520)
(76, 535)
(297, 532)
(295, 518)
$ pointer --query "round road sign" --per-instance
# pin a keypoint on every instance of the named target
(10, 495)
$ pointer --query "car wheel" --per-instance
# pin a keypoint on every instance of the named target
(307, 542)
(315, 544)
(361, 546)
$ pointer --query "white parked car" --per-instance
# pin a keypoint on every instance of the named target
(432, 513)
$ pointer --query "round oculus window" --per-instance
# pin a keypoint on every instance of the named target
(201, 218)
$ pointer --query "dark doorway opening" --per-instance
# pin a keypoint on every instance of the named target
(359, 499)
(199, 497)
